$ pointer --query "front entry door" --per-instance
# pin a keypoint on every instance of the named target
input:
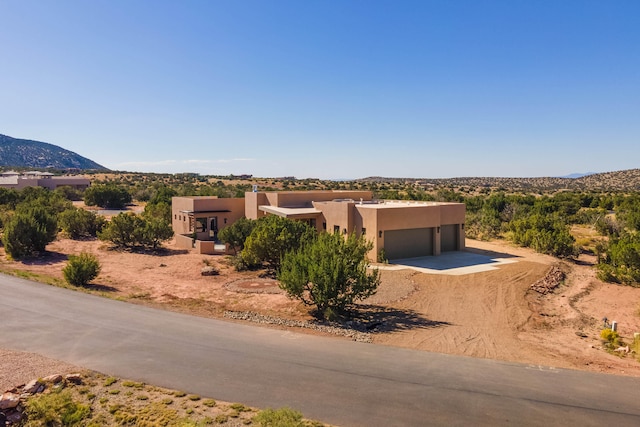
(213, 228)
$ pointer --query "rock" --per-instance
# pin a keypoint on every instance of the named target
(9, 400)
(74, 378)
(15, 417)
(33, 387)
(209, 271)
(550, 282)
(54, 379)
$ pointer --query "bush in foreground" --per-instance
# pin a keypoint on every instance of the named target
(81, 269)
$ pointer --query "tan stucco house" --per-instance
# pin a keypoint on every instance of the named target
(17, 181)
(403, 229)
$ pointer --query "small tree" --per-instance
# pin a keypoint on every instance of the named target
(155, 232)
(124, 230)
(78, 223)
(329, 273)
(237, 233)
(128, 230)
(81, 269)
(29, 230)
(107, 196)
(272, 237)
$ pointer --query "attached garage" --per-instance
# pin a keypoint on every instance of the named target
(449, 238)
(409, 243)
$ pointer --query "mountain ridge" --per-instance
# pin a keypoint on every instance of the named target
(27, 153)
(623, 180)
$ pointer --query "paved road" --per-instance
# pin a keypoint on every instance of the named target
(336, 381)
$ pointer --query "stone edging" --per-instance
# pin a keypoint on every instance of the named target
(331, 328)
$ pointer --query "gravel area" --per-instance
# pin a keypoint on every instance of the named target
(17, 368)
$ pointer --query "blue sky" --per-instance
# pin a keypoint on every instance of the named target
(327, 88)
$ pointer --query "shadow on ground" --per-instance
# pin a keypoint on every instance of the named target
(453, 260)
(45, 258)
(376, 318)
(100, 288)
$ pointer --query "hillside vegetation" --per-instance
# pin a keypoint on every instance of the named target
(626, 180)
(24, 153)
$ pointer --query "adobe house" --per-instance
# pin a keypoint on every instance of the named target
(403, 229)
(196, 221)
(12, 179)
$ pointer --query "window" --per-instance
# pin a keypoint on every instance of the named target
(336, 228)
(201, 225)
(324, 225)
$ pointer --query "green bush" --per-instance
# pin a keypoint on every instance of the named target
(55, 409)
(78, 223)
(81, 269)
(611, 338)
(107, 196)
(29, 230)
(283, 417)
(329, 273)
(128, 230)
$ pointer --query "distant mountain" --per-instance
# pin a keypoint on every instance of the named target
(24, 153)
(578, 175)
(626, 180)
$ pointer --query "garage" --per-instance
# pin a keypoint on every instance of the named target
(449, 238)
(409, 243)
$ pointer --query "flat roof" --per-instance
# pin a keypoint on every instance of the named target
(205, 212)
(289, 212)
(391, 204)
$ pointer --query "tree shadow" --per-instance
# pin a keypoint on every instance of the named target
(100, 287)
(159, 252)
(45, 258)
(377, 318)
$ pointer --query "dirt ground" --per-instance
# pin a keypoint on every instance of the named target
(491, 314)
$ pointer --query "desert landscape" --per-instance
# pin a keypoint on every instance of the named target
(535, 309)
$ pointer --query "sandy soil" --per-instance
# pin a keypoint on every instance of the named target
(490, 314)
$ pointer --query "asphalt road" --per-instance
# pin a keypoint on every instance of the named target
(332, 380)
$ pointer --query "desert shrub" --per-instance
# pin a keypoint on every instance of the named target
(107, 196)
(78, 223)
(237, 233)
(329, 273)
(611, 338)
(55, 409)
(544, 233)
(29, 230)
(81, 269)
(69, 193)
(128, 230)
(619, 261)
(283, 417)
(272, 237)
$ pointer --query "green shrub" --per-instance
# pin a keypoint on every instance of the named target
(78, 223)
(29, 230)
(283, 417)
(55, 409)
(611, 338)
(81, 269)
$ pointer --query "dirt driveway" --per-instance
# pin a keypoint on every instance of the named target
(489, 314)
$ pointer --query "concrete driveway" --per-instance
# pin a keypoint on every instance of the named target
(453, 263)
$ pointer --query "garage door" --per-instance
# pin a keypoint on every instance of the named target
(408, 243)
(449, 238)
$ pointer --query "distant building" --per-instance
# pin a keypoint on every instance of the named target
(403, 229)
(15, 180)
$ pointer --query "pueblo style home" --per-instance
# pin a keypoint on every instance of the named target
(403, 229)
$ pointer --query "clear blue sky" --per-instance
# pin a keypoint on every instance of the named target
(327, 88)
